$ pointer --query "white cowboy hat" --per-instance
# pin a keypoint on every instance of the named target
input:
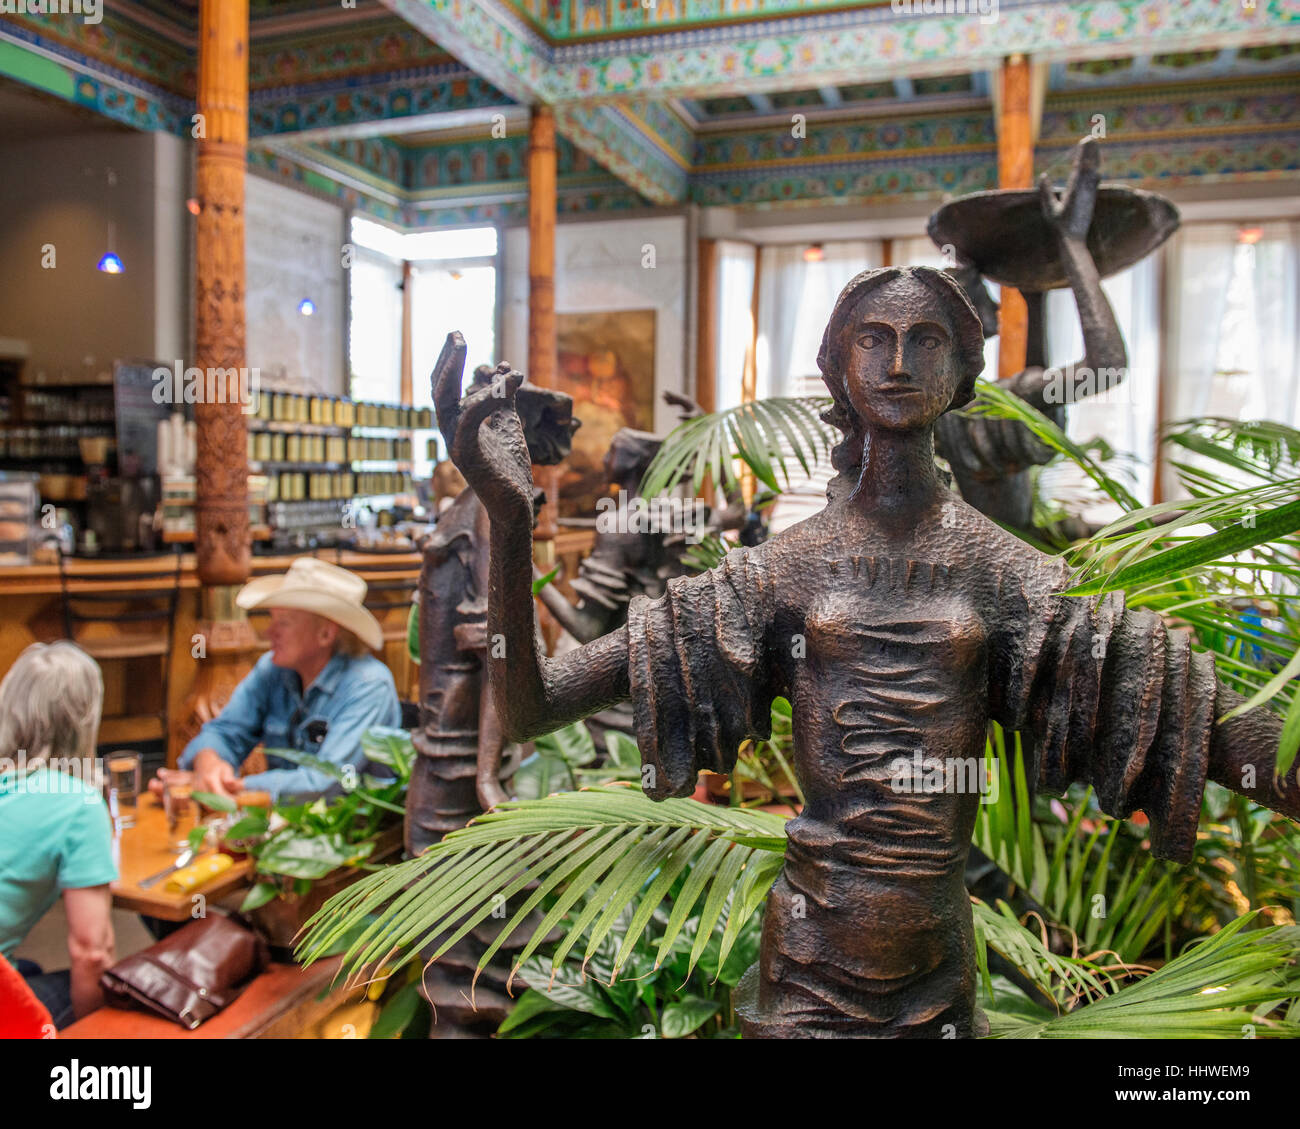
(315, 586)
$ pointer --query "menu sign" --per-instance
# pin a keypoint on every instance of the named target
(138, 413)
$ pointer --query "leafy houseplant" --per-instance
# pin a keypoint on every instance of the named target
(296, 845)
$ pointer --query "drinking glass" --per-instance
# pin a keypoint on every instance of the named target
(123, 773)
(178, 805)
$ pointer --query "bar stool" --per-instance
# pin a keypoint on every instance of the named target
(124, 614)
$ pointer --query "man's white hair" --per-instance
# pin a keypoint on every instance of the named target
(50, 703)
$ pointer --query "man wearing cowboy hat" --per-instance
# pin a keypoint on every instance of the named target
(317, 690)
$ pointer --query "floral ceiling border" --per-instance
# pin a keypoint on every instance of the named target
(826, 48)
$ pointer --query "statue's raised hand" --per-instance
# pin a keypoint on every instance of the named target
(1071, 215)
(483, 433)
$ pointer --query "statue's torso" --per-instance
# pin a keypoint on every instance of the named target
(884, 646)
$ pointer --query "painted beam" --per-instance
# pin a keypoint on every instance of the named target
(833, 48)
(619, 141)
(385, 104)
(53, 63)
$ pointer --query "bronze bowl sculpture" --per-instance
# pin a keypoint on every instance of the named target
(1004, 233)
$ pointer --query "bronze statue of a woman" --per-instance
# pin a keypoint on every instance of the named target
(899, 620)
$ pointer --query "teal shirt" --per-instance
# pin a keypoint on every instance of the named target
(55, 835)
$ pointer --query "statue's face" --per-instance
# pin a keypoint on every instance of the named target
(901, 360)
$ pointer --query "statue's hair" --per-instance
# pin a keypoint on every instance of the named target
(847, 456)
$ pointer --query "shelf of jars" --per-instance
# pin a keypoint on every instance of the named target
(277, 449)
(292, 501)
(290, 412)
(337, 485)
(178, 509)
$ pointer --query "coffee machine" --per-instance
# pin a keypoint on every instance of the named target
(120, 512)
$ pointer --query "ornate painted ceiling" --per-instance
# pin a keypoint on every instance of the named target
(416, 110)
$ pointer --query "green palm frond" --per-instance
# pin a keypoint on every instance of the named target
(1117, 901)
(1062, 978)
(759, 434)
(1255, 447)
(993, 401)
(707, 553)
(580, 859)
(1223, 987)
(1121, 557)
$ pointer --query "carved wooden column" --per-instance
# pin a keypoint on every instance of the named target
(1015, 170)
(706, 347)
(408, 354)
(227, 645)
(222, 537)
(542, 349)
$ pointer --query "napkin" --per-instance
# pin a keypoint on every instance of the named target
(193, 876)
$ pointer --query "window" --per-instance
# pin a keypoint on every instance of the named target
(375, 328)
(735, 320)
(443, 299)
(453, 286)
(1234, 326)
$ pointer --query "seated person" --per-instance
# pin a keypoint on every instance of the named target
(55, 834)
(317, 690)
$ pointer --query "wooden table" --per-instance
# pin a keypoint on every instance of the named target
(149, 847)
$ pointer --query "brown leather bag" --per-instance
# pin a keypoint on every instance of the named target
(191, 974)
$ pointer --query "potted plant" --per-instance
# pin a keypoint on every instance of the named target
(305, 853)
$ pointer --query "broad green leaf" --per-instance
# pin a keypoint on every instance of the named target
(685, 1016)
(214, 801)
(397, 1013)
(258, 896)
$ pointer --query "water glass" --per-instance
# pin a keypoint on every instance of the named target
(178, 805)
(122, 773)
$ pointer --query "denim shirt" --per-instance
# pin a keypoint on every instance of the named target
(350, 695)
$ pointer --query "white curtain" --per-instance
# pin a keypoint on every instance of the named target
(735, 319)
(1125, 416)
(795, 300)
(1277, 311)
(1200, 268)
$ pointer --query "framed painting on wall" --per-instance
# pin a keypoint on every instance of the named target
(607, 364)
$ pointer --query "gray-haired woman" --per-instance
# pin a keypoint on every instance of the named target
(55, 835)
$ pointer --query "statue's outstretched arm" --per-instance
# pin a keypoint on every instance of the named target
(485, 438)
(579, 622)
(1243, 755)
